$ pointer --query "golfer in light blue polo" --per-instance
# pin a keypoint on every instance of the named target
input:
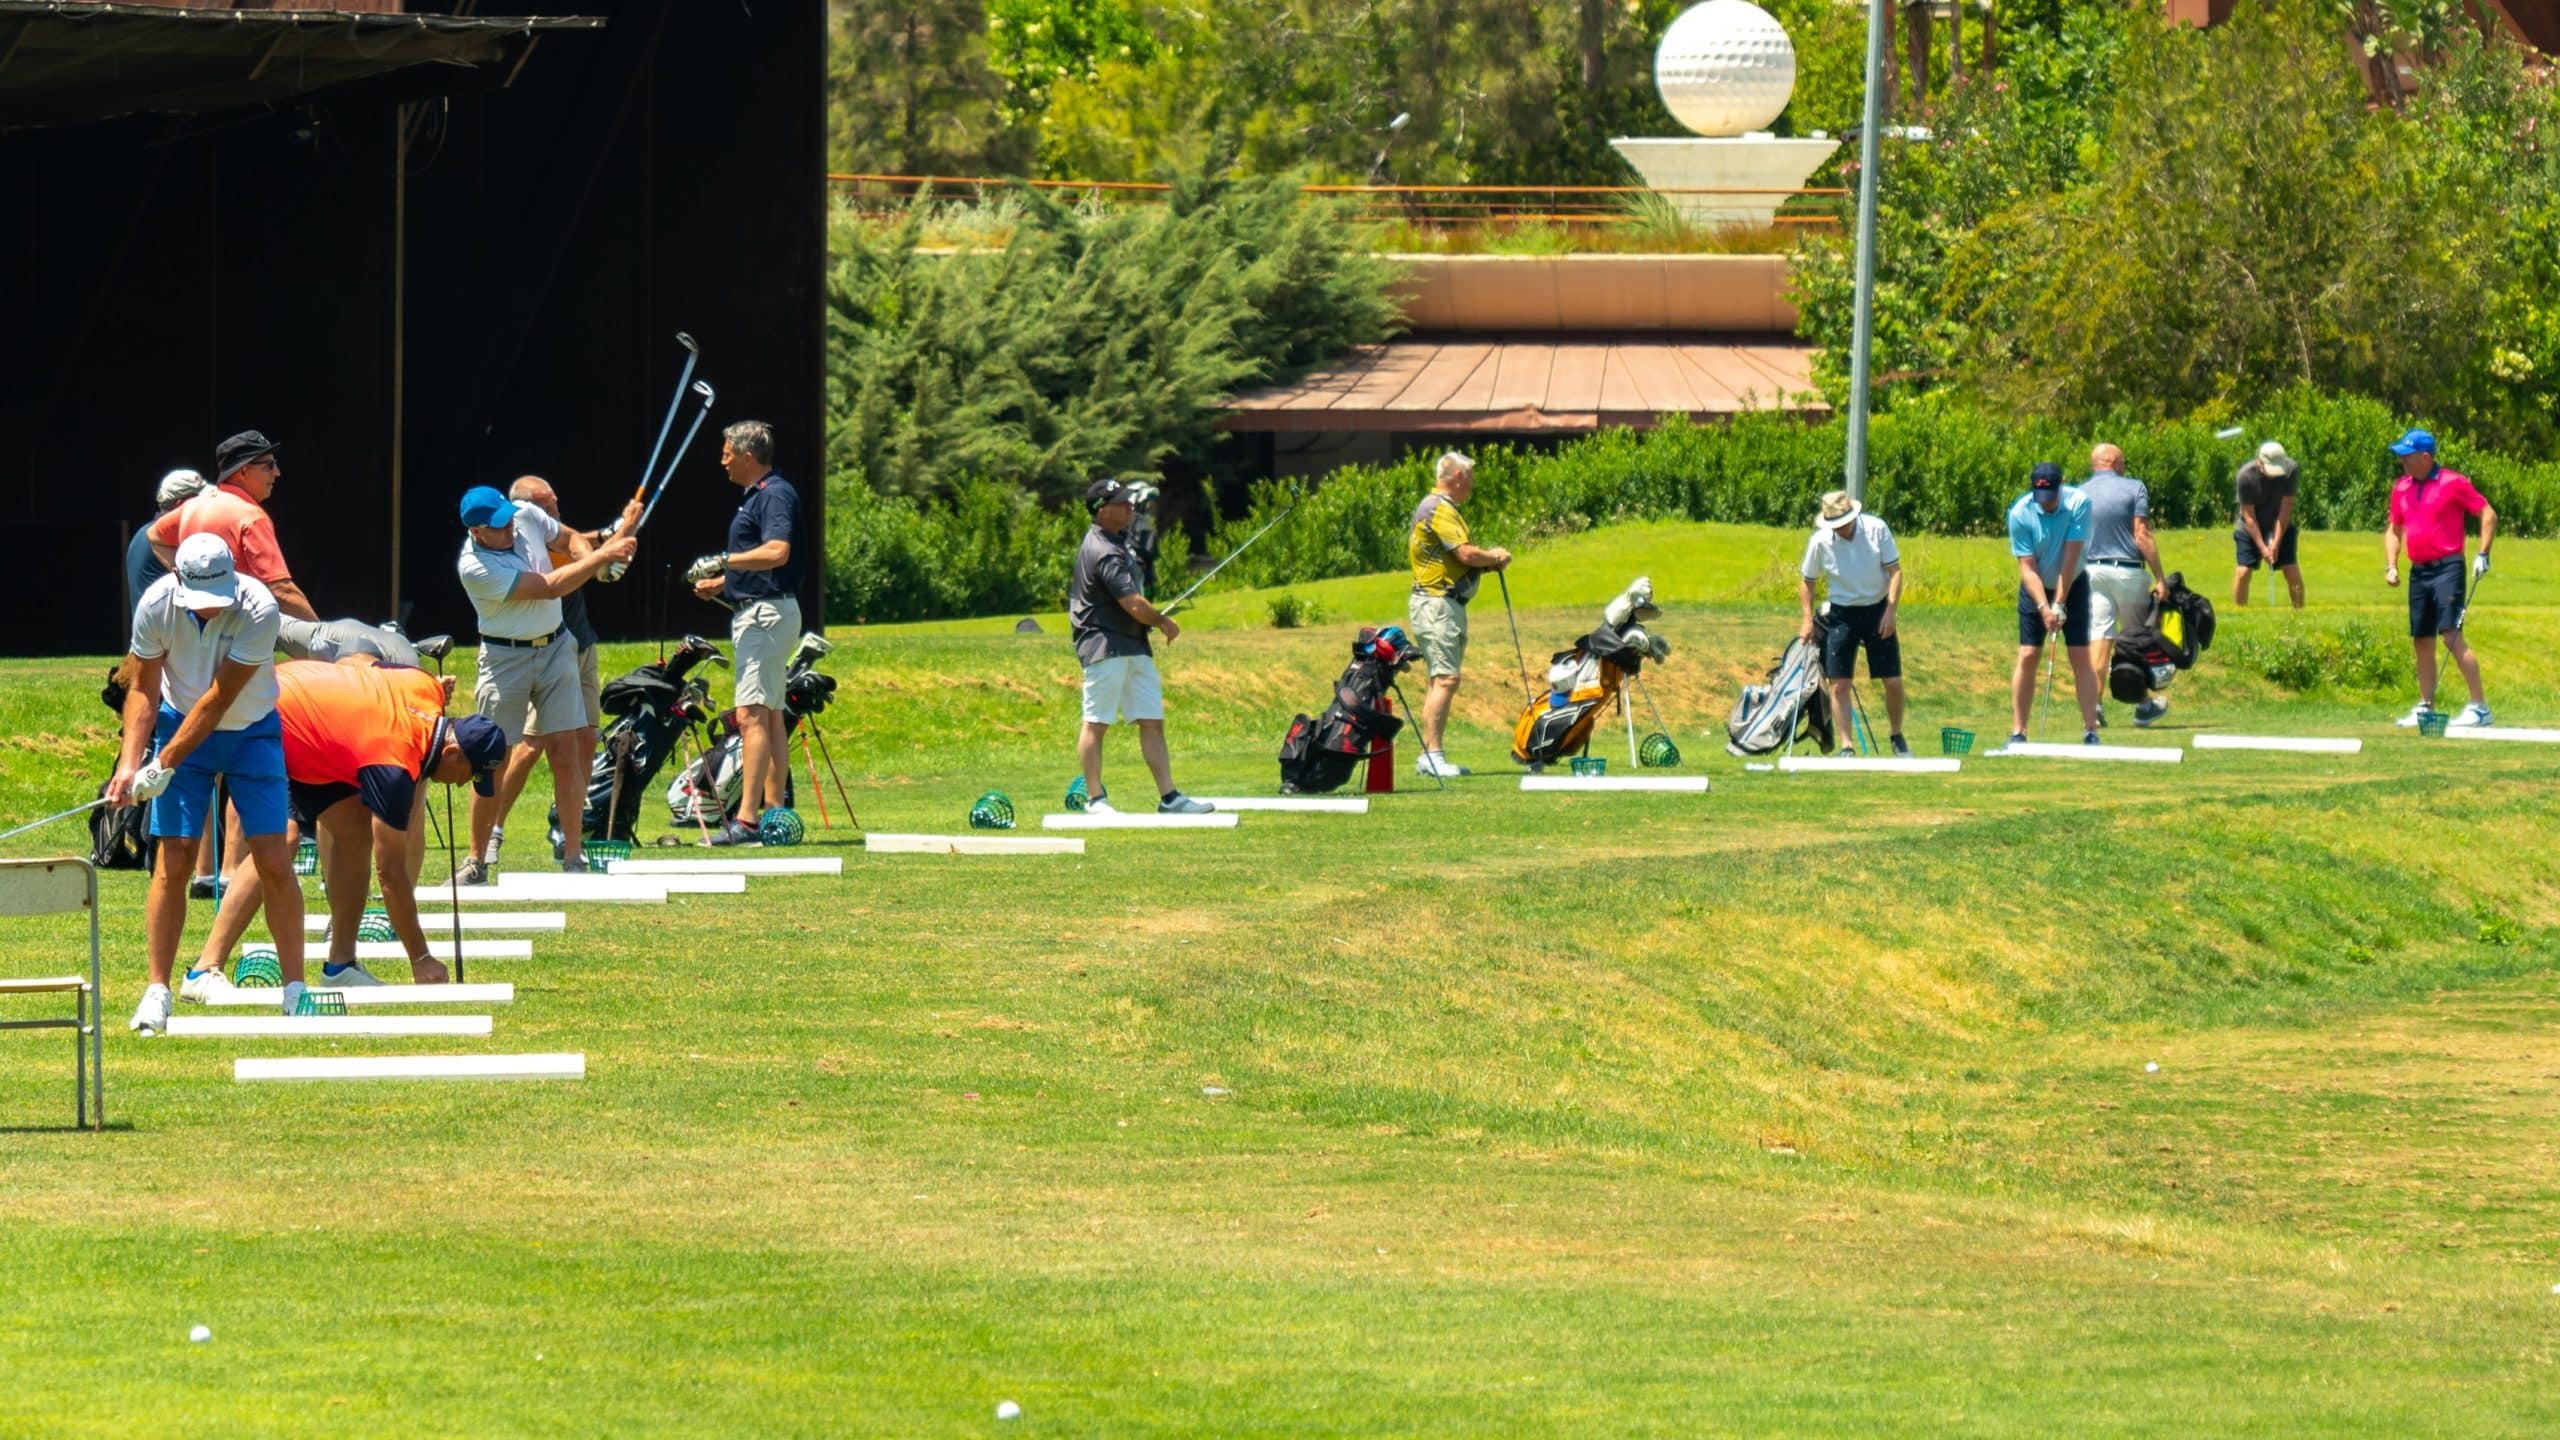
(2048, 530)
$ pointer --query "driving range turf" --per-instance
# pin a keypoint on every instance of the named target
(1818, 1105)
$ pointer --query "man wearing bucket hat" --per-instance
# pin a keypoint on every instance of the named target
(2265, 533)
(1856, 551)
(202, 661)
(142, 564)
(2048, 530)
(2429, 504)
(245, 476)
(1109, 617)
(528, 660)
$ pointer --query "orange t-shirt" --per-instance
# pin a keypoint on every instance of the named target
(359, 724)
(227, 511)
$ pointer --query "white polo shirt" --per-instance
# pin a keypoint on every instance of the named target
(1856, 565)
(191, 650)
(489, 578)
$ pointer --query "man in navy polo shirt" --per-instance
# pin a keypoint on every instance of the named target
(2429, 505)
(760, 575)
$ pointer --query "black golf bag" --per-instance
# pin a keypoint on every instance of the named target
(119, 839)
(1318, 755)
(2177, 630)
(653, 708)
(1792, 704)
(1582, 681)
(707, 792)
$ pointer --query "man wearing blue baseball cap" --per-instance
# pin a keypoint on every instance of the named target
(2428, 507)
(2048, 531)
(528, 661)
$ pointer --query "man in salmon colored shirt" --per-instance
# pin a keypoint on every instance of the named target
(245, 474)
(2428, 507)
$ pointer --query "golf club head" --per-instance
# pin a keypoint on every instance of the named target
(703, 389)
(434, 647)
(687, 342)
(813, 648)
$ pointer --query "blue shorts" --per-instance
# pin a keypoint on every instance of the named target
(250, 762)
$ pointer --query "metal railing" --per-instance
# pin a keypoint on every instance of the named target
(1421, 206)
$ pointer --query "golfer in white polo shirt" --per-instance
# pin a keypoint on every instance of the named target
(203, 667)
(528, 663)
(1855, 550)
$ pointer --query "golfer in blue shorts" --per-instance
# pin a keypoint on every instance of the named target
(202, 689)
(2048, 530)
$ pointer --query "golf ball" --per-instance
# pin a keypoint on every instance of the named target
(1725, 68)
(200, 1334)
(2151, 1068)
(1007, 1410)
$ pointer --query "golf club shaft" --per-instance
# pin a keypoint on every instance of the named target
(2459, 621)
(49, 819)
(1231, 558)
(1528, 690)
(1416, 717)
(675, 402)
(673, 465)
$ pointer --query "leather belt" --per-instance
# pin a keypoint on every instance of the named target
(535, 643)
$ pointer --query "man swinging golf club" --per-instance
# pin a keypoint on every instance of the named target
(2428, 507)
(534, 492)
(203, 664)
(1447, 567)
(1856, 550)
(2048, 530)
(2264, 531)
(1109, 617)
(360, 741)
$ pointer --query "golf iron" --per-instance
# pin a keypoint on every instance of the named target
(1232, 555)
(49, 819)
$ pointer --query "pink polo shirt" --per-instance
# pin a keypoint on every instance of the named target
(2430, 513)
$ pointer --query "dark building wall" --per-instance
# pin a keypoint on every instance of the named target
(164, 283)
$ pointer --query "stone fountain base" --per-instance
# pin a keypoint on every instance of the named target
(1762, 163)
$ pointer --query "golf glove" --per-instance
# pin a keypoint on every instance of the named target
(148, 782)
(709, 567)
(2479, 564)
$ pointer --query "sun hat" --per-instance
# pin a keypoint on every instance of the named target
(1838, 509)
(239, 450)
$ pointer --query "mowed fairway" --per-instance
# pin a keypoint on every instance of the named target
(1816, 1105)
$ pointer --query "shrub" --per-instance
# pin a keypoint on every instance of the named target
(990, 552)
(2354, 657)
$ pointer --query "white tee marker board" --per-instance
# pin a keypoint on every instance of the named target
(550, 890)
(415, 1067)
(431, 921)
(887, 844)
(2304, 744)
(1087, 820)
(1663, 784)
(300, 1027)
(2129, 754)
(440, 946)
(359, 996)
(570, 887)
(732, 865)
(1869, 764)
(1294, 804)
(2494, 732)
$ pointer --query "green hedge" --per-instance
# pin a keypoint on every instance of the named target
(1935, 467)
(992, 551)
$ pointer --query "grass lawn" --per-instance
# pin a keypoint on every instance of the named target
(1819, 1105)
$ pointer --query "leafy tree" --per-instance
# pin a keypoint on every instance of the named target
(910, 91)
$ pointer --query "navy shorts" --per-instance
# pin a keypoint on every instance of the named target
(2075, 617)
(2435, 597)
(1846, 629)
(2244, 551)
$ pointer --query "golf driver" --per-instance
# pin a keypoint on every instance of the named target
(1232, 554)
(1528, 690)
(49, 819)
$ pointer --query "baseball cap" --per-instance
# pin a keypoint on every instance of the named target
(179, 485)
(1104, 492)
(239, 450)
(2046, 476)
(2413, 442)
(484, 507)
(206, 580)
(484, 745)
(2271, 456)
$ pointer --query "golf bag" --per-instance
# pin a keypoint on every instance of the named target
(1583, 680)
(2177, 630)
(1318, 755)
(1791, 704)
(653, 708)
(121, 839)
(707, 792)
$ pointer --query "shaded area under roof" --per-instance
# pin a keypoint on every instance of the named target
(64, 63)
(1540, 386)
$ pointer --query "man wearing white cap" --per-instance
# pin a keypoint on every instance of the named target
(2265, 532)
(204, 686)
(1856, 550)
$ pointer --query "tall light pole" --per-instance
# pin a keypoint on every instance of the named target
(1862, 337)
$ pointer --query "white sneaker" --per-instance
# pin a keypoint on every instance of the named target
(2417, 713)
(293, 992)
(353, 974)
(1100, 805)
(1433, 764)
(151, 1017)
(2473, 717)
(204, 987)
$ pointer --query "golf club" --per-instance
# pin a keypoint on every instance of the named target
(1232, 555)
(2043, 713)
(2469, 593)
(1416, 715)
(1628, 712)
(49, 819)
(1528, 690)
(692, 357)
(452, 865)
(703, 389)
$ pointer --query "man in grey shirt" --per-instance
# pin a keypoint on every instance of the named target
(1109, 617)
(2123, 563)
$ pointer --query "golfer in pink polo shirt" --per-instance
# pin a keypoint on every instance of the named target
(2428, 506)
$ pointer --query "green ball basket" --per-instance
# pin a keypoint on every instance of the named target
(993, 811)
(306, 858)
(781, 826)
(1952, 741)
(321, 1002)
(1590, 765)
(2433, 723)
(1075, 793)
(257, 968)
(1657, 752)
(376, 926)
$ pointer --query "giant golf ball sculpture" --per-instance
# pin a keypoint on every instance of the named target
(1725, 68)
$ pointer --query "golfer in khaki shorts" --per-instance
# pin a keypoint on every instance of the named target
(528, 660)
(760, 575)
(1447, 564)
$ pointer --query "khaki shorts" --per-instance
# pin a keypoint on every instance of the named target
(762, 636)
(528, 690)
(590, 687)
(1123, 688)
(2119, 600)
(1439, 625)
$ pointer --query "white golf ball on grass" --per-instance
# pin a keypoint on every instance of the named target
(1007, 1410)
(200, 1334)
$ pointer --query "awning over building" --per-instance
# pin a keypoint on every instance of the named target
(64, 63)
(1532, 386)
